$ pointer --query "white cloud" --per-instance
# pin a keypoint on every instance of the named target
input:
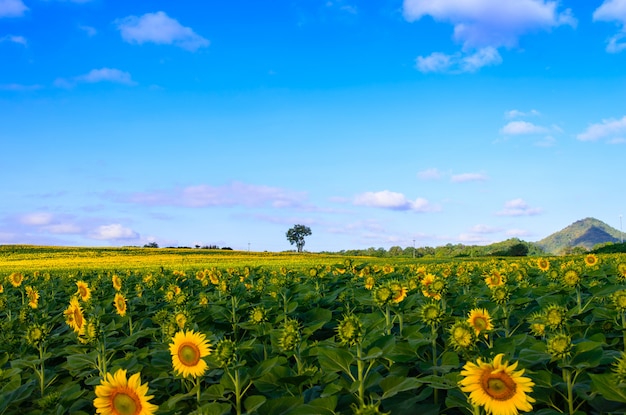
(98, 75)
(517, 232)
(518, 207)
(107, 75)
(161, 29)
(113, 232)
(521, 128)
(228, 195)
(458, 62)
(429, 174)
(63, 228)
(91, 31)
(519, 114)
(607, 128)
(613, 11)
(495, 23)
(14, 39)
(484, 229)
(392, 200)
(468, 177)
(12, 8)
(36, 218)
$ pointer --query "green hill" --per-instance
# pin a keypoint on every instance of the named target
(585, 233)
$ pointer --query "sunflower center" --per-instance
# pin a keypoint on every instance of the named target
(189, 354)
(480, 323)
(499, 386)
(125, 404)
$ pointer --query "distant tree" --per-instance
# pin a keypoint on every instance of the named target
(151, 245)
(396, 251)
(296, 235)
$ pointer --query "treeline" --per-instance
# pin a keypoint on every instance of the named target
(511, 247)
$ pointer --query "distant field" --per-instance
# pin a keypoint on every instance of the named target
(33, 258)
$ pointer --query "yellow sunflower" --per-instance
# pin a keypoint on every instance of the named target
(120, 304)
(543, 264)
(16, 279)
(497, 386)
(117, 282)
(187, 349)
(591, 260)
(83, 291)
(480, 320)
(33, 297)
(74, 316)
(495, 279)
(117, 395)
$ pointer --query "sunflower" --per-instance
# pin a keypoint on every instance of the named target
(369, 282)
(74, 316)
(497, 386)
(117, 282)
(431, 313)
(225, 352)
(258, 315)
(83, 291)
(1, 288)
(480, 320)
(619, 300)
(495, 279)
(120, 304)
(619, 369)
(433, 286)
(559, 346)
(16, 279)
(33, 297)
(591, 260)
(399, 291)
(543, 264)
(117, 395)
(555, 316)
(621, 270)
(462, 335)
(187, 349)
(571, 278)
(350, 330)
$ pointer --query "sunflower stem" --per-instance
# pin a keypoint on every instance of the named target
(42, 384)
(387, 320)
(567, 377)
(360, 377)
(624, 329)
(579, 299)
(434, 351)
(476, 410)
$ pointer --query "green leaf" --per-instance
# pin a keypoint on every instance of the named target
(606, 385)
(253, 402)
(391, 385)
(280, 406)
(335, 360)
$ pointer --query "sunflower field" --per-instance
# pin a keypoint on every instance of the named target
(544, 335)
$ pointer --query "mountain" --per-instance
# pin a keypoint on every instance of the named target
(585, 233)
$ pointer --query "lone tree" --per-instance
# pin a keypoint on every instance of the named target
(296, 235)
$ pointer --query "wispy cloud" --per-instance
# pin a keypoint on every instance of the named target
(484, 229)
(483, 26)
(520, 114)
(98, 75)
(460, 62)
(613, 11)
(20, 40)
(234, 194)
(36, 218)
(114, 232)
(91, 31)
(161, 29)
(518, 207)
(609, 128)
(522, 128)
(395, 201)
(468, 177)
(12, 8)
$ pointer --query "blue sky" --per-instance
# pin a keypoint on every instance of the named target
(376, 124)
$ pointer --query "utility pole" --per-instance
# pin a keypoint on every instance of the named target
(621, 234)
(248, 246)
(413, 248)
